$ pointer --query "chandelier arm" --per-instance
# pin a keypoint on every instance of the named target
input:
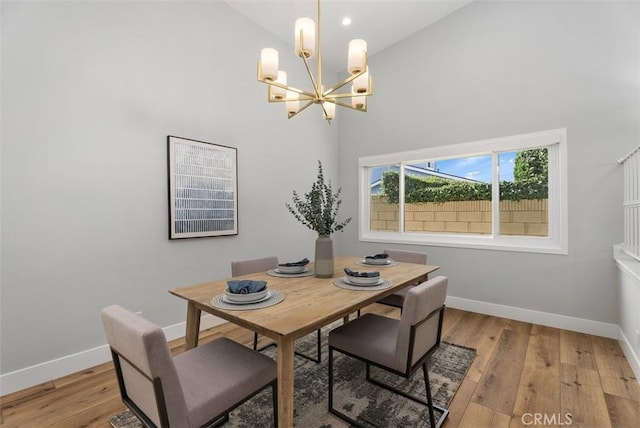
(313, 80)
(341, 84)
(307, 94)
(318, 86)
(341, 104)
(290, 115)
(348, 95)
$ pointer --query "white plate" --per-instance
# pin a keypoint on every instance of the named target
(289, 270)
(348, 280)
(374, 262)
(225, 299)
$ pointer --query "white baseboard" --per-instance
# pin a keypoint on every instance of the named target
(69, 364)
(47, 371)
(632, 357)
(580, 325)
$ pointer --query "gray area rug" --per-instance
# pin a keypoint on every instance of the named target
(363, 401)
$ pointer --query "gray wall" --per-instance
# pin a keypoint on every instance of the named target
(496, 69)
(89, 94)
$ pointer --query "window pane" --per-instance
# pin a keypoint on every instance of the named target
(384, 212)
(449, 196)
(524, 189)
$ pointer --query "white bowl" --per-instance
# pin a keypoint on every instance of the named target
(371, 261)
(291, 269)
(363, 280)
(245, 297)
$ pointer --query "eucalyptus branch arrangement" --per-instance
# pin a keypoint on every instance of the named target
(318, 209)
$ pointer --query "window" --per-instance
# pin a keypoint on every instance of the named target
(505, 194)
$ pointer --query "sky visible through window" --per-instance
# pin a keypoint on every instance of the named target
(479, 167)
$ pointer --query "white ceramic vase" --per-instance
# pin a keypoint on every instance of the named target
(323, 266)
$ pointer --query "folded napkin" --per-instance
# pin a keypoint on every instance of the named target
(246, 286)
(350, 272)
(378, 256)
(302, 262)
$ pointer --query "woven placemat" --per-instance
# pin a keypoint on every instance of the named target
(340, 282)
(273, 272)
(391, 263)
(276, 297)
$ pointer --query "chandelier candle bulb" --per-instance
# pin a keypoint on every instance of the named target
(269, 63)
(357, 56)
(361, 83)
(359, 102)
(305, 37)
(293, 106)
(328, 110)
(279, 93)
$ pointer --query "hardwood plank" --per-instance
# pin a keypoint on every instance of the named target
(451, 317)
(78, 400)
(575, 349)
(616, 374)
(479, 416)
(84, 374)
(71, 398)
(460, 402)
(484, 339)
(497, 388)
(623, 412)
(460, 332)
(95, 416)
(582, 397)
(539, 386)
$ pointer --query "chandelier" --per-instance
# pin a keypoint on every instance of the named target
(307, 45)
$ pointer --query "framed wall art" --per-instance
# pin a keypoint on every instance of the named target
(203, 189)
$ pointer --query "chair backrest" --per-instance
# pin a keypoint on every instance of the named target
(146, 372)
(246, 267)
(407, 256)
(421, 321)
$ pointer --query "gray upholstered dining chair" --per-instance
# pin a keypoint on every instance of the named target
(247, 267)
(399, 346)
(194, 389)
(396, 299)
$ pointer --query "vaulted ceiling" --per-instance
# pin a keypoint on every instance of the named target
(380, 22)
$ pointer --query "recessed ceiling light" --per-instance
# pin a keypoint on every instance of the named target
(346, 20)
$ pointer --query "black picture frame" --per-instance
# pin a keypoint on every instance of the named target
(203, 188)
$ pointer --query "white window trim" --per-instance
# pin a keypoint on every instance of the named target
(555, 243)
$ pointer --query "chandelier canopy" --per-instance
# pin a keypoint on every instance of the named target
(308, 46)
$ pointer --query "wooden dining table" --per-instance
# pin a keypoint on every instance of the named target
(309, 304)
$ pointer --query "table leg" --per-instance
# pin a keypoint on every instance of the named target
(285, 382)
(193, 326)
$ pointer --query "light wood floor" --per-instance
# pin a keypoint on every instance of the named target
(523, 375)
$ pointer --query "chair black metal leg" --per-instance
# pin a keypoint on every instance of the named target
(255, 344)
(221, 421)
(330, 379)
(445, 412)
(427, 386)
(317, 359)
(274, 392)
(428, 402)
(330, 400)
